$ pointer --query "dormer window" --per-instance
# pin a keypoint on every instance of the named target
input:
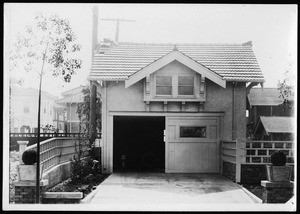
(186, 85)
(163, 85)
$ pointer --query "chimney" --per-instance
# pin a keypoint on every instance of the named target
(249, 43)
(95, 29)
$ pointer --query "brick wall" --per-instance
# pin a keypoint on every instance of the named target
(25, 191)
(229, 170)
(254, 174)
(277, 192)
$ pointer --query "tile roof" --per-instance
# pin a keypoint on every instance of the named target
(234, 62)
(264, 97)
(278, 124)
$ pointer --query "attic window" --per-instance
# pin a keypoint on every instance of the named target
(185, 85)
(164, 85)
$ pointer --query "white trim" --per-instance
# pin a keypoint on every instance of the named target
(107, 129)
(179, 114)
(175, 55)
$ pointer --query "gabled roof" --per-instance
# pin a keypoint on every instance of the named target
(75, 98)
(277, 124)
(19, 91)
(264, 97)
(73, 91)
(170, 57)
(232, 62)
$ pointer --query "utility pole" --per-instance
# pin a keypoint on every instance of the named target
(118, 20)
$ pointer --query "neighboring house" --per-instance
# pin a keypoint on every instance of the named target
(167, 107)
(60, 117)
(70, 101)
(263, 102)
(24, 109)
(275, 128)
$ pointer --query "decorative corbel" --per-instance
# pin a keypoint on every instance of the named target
(202, 86)
(165, 106)
(147, 84)
(147, 106)
(201, 106)
(183, 106)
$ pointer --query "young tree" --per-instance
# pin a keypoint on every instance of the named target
(47, 46)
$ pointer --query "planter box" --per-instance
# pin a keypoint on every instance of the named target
(28, 172)
(62, 197)
(279, 173)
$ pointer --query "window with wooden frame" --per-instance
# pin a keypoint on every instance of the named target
(163, 85)
(192, 132)
(185, 85)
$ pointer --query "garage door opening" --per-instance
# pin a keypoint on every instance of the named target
(138, 144)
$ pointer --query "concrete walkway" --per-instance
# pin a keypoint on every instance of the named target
(160, 191)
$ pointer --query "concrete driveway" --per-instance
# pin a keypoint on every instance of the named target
(160, 191)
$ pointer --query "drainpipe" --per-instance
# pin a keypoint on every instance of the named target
(233, 110)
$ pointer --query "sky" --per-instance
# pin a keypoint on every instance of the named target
(271, 28)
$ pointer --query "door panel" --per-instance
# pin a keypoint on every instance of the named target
(192, 144)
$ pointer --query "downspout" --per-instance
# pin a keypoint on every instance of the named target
(233, 111)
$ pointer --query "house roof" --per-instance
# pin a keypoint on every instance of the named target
(19, 91)
(179, 57)
(233, 62)
(75, 98)
(73, 90)
(264, 97)
(278, 124)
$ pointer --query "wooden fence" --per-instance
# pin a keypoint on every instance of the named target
(32, 138)
(236, 153)
(258, 152)
(55, 151)
(50, 135)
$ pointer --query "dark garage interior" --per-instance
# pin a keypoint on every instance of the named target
(138, 144)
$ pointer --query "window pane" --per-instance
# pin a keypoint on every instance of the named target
(161, 81)
(164, 90)
(186, 90)
(186, 131)
(186, 81)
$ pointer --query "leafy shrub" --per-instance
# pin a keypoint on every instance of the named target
(82, 170)
(278, 158)
(29, 157)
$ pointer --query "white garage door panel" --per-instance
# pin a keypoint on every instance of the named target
(190, 154)
(193, 157)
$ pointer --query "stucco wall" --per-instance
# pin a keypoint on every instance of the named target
(218, 100)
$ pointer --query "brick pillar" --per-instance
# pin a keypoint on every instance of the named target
(25, 191)
(277, 192)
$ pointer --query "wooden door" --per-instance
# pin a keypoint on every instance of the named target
(192, 145)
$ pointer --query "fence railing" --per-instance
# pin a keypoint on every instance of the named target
(55, 151)
(258, 152)
(98, 135)
(229, 151)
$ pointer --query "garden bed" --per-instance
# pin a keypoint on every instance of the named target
(256, 189)
(84, 187)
